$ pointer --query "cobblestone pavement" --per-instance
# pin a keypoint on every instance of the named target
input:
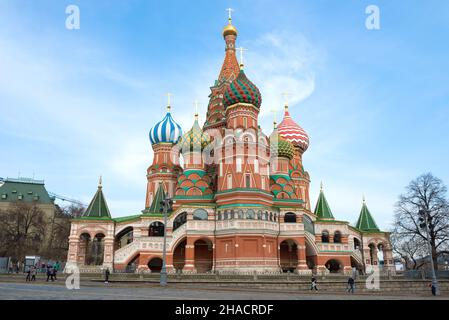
(100, 291)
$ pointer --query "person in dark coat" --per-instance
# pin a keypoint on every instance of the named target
(50, 273)
(106, 275)
(33, 272)
(28, 278)
(351, 283)
(313, 285)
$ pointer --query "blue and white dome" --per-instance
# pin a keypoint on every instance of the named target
(165, 131)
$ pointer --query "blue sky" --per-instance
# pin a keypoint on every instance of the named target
(75, 104)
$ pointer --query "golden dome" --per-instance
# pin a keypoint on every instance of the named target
(229, 29)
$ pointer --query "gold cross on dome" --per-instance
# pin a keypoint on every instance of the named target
(168, 100)
(229, 10)
(274, 117)
(241, 49)
(285, 95)
(195, 103)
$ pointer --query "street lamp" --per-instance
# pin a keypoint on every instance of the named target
(424, 223)
(166, 205)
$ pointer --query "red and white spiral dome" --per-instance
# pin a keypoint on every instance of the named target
(291, 131)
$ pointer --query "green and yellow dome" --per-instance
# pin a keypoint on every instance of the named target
(194, 139)
(280, 147)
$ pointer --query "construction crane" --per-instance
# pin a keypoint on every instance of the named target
(66, 199)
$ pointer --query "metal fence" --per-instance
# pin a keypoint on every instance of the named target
(425, 274)
(4, 263)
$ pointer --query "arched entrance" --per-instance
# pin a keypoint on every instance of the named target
(132, 265)
(179, 255)
(288, 255)
(356, 265)
(155, 265)
(334, 266)
(311, 256)
(203, 255)
(94, 250)
(84, 248)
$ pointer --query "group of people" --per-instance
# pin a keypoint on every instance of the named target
(50, 269)
(350, 287)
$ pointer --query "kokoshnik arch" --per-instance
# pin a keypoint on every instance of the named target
(248, 210)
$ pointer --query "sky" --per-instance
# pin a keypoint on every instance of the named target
(77, 104)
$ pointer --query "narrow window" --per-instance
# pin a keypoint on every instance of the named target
(248, 181)
(229, 181)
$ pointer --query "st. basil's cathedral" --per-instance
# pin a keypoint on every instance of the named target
(240, 199)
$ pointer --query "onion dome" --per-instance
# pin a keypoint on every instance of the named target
(279, 147)
(166, 130)
(194, 139)
(241, 90)
(229, 29)
(291, 131)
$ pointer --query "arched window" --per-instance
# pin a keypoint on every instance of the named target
(265, 215)
(156, 229)
(290, 217)
(240, 214)
(259, 215)
(356, 244)
(124, 237)
(325, 237)
(337, 237)
(250, 214)
(179, 220)
(200, 214)
(219, 216)
(226, 215)
(232, 216)
(308, 224)
(271, 216)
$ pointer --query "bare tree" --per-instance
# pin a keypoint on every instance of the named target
(22, 230)
(426, 193)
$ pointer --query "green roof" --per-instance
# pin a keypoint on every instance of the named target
(366, 221)
(156, 204)
(322, 209)
(98, 208)
(24, 189)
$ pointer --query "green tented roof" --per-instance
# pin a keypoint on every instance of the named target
(366, 221)
(23, 189)
(322, 209)
(156, 204)
(98, 208)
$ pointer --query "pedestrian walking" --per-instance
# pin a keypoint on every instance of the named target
(28, 278)
(33, 271)
(433, 289)
(313, 285)
(50, 273)
(351, 283)
(55, 270)
(106, 275)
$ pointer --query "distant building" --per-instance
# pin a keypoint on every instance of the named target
(28, 191)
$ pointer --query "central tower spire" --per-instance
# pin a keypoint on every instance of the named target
(230, 69)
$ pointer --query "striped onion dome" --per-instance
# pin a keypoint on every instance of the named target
(166, 130)
(291, 131)
(242, 90)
